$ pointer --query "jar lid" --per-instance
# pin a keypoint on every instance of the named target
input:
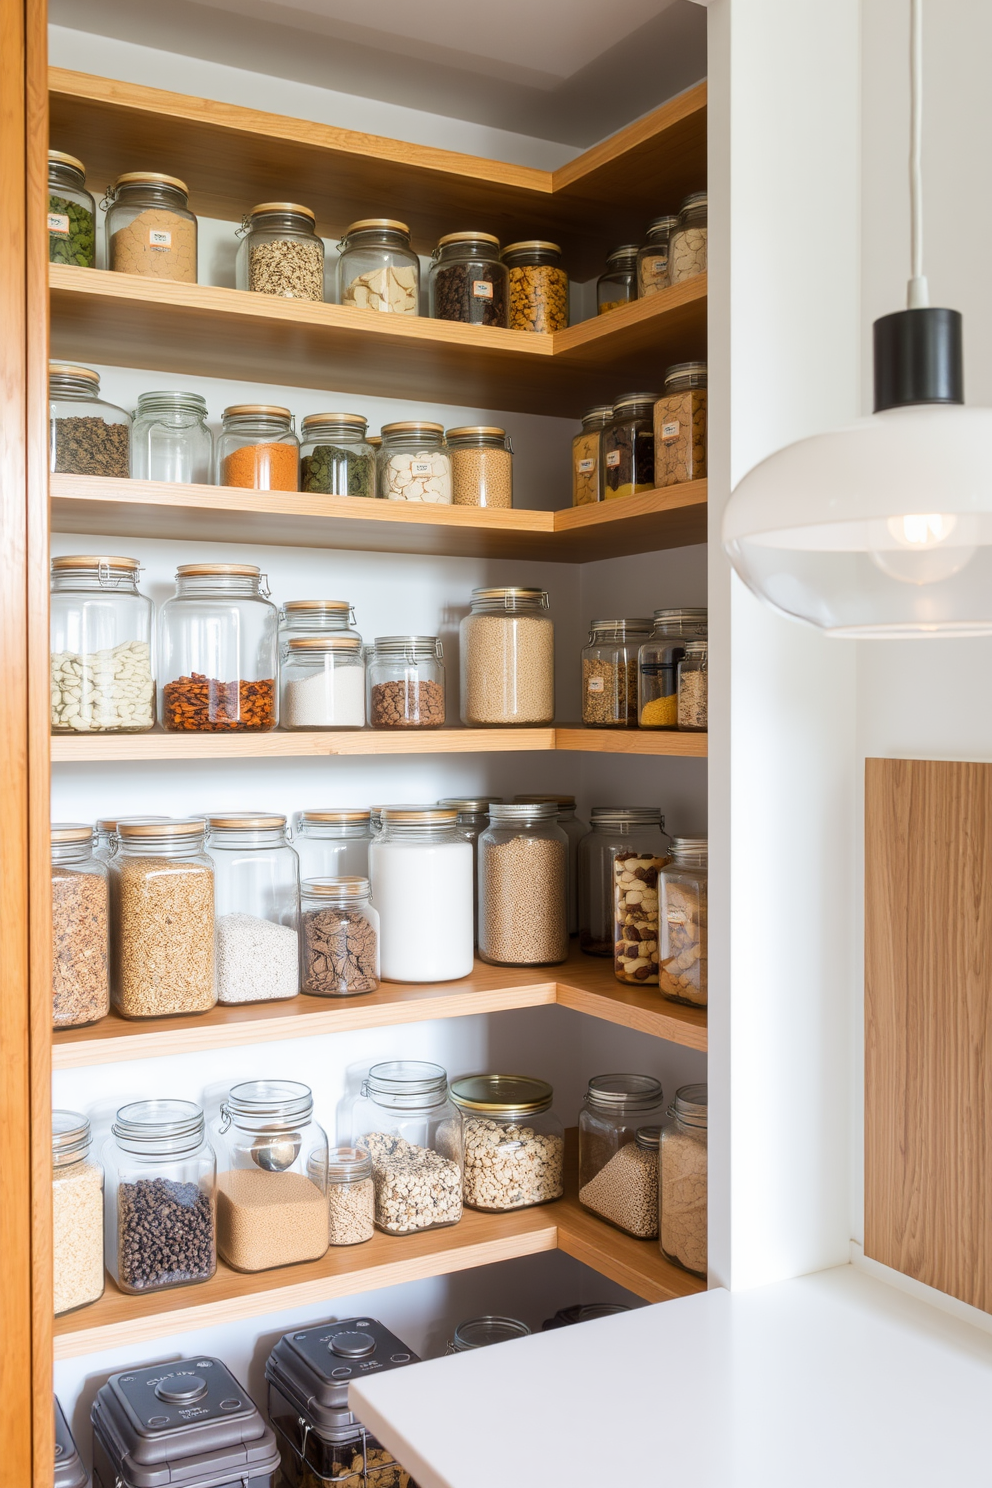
(412, 426)
(318, 606)
(511, 596)
(685, 616)
(236, 821)
(624, 1092)
(629, 400)
(335, 814)
(324, 643)
(690, 844)
(661, 224)
(206, 570)
(598, 416)
(470, 803)
(629, 250)
(422, 646)
(111, 823)
(70, 1135)
(367, 224)
(481, 1331)
(94, 560)
(348, 1164)
(270, 1104)
(283, 207)
(59, 157)
(644, 816)
(352, 886)
(348, 420)
(70, 369)
(694, 199)
(172, 400)
(684, 369)
(71, 832)
(375, 440)
(469, 431)
(422, 815)
(691, 1104)
(648, 1137)
(640, 624)
(406, 1078)
(256, 410)
(178, 827)
(159, 1126)
(467, 237)
(520, 811)
(502, 1095)
(530, 245)
(564, 803)
(149, 178)
(696, 648)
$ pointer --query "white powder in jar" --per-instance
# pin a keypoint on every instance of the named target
(333, 697)
(425, 895)
(257, 960)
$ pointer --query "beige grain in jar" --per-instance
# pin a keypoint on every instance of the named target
(680, 426)
(683, 914)
(587, 456)
(507, 659)
(481, 466)
(683, 1171)
(150, 229)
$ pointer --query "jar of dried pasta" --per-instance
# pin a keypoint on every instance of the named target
(258, 448)
(652, 259)
(628, 446)
(687, 246)
(481, 466)
(150, 228)
(280, 252)
(682, 896)
(538, 286)
(587, 461)
(680, 426)
(693, 687)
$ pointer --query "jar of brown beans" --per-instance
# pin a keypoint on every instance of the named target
(481, 466)
(538, 286)
(680, 426)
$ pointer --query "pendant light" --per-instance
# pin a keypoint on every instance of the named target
(883, 528)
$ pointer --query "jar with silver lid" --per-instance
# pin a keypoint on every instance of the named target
(618, 1175)
(683, 909)
(87, 435)
(574, 829)
(414, 463)
(413, 1131)
(336, 459)
(101, 647)
(523, 886)
(405, 676)
(613, 829)
(618, 286)
(350, 1196)
(257, 907)
(587, 456)
(333, 842)
(652, 258)
(339, 933)
(693, 687)
(377, 268)
(683, 1163)
(680, 425)
(423, 886)
(77, 1214)
(688, 243)
(609, 672)
(170, 440)
(280, 252)
(507, 659)
(80, 928)
(217, 642)
(628, 447)
(150, 228)
(480, 1332)
(71, 212)
(657, 665)
(514, 1142)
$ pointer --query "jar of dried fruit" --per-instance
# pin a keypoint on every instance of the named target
(336, 459)
(687, 246)
(257, 447)
(587, 456)
(80, 928)
(101, 647)
(257, 907)
(538, 286)
(628, 446)
(693, 687)
(481, 466)
(680, 426)
(378, 269)
(507, 659)
(609, 672)
(618, 286)
(150, 228)
(87, 436)
(618, 1179)
(405, 679)
(657, 665)
(71, 212)
(77, 1215)
(340, 937)
(682, 889)
(414, 463)
(613, 829)
(468, 281)
(652, 258)
(523, 886)
(683, 1162)
(217, 642)
(280, 252)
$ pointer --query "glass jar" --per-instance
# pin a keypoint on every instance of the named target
(680, 426)
(683, 906)
(480, 1332)
(257, 907)
(217, 639)
(481, 466)
(613, 829)
(101, 652)
(335, 457)
(473, 819)
(514, 1142)
(340, 937)
(657, 665)
(507, 659)
(323, 683)
(71, 212)
(693, 687)
(636, 888)
(574, 830)
(413, 1132)
(467, 280)
(161, 1197)
(162, 918)
(423, 886)
(150, 228)
(257, 448)
(105, 840)
(77, 1214)
(538, 286)
(628, 447)
(687, 246)
(414, 463)
(587, 461)
(280, 253)
(80, 928)
(333, 843)
(523, 887)
(683, 1162)
(350, 1196)
(377, 268)
(405, 676)
(618, 1178)
(609, 672)
(87, 436)
(618, 286)
(170, 440)
(316, 618)
(271, 1188)
(652, 258)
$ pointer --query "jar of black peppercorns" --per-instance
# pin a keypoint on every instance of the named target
(468, 282)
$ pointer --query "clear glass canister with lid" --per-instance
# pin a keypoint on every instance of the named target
(333, 842)
(150, 228)
(217, 643)
(105, 842)
(574, 830)
(413, 1131)
(161, 1197)
(87, 435)
(170, 440)
(414, 463)
(587, 456)
(257, 907)
(423, 886)
(71, 212)
(77, 1214)
(468, 280)
(687, 246)
(618, 1177)
(523, 886)
(613, 830)
(473, 819)
(636, 889)
(652, 258)
(680, 425)
(693, 687)
(507, 659)
(280, 252)
(481, 466)
(657, 665)
(609, 672)
(377, 268)
(257, 448)
(514, 1142)
(538, 286)
(323, 683)
(340, 937)
(101, 651)
(618, 285)
(271, 1185)
(683, 1162)
(80, 928)
(316, 618)
(336, 459)
(682, 889)
(405, 677)
(628, 447)
(350, 1196)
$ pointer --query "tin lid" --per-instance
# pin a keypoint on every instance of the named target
(150, 178)
(177, 827)
(470, 804)
(351, 886)
(256, 410)
(502, 1095)
(71, 832)
(59, 157)
(638, 626)
(661, 224)
(691, 1104)
(314, 1366)
(522, 811)
(648, 1138)
(696, 648)
(468, 237)
(283, 207)
(324, 643)
(165, 1127)
(481, 1331)
(244, 821)
(269, 1105)
(422, 815)
(645, 816)
(624, 1092)
(69, 1469)
(336, 814)
(564, 803)
(685, 616)
(208, 570)
(385, 224)
(680, 370)
(685, 845)
(412, 426)
(334, 420)
(70, 369)
(634, 400)
(94, 560)
(628, 250)
(420, 646)
(594, 417)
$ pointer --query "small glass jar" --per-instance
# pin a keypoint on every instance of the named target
(693, 688)
(514, 1142)
(87, 435)
(150, 228)
(162, 918)
(507, 659)
(682, 891)
(657, 665)
(333, 843)
(481, 466)
(680, 426)
(271, 1186)
(423, 886)
(160, 1226)
(538, 286)
(257, 908)
(618, 286)
(687, 246)
(480, 1332)
(618, 1177)
(105, 837)
(350, 1196)
(574, 830)
(635, 908)
(628, 447)
(71, 213)
(587, 456)
(80, 928)
(170, 440)
(414, 463)
(652, 258)
(217, 642)
(336, 459)
(523, 887)
(101, 647)
(613, 830)
(316, 618)
(257, 448)
(468, 282)
(405, 676)
(683, 1162)
(609, 672)
(280, 252)
(377, 268)
(339, 931)
(413, 1131)
(323, 683)
(77, 1214)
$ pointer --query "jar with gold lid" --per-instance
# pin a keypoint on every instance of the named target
(280, 252)
(628, 446)
(257, 906)
(150, 228)
(514, 1142)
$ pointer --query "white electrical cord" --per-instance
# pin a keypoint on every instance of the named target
(918, 294)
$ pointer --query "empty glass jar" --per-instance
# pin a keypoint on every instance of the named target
(688, 243)
(682, 890)
(340, 937)
(150, 228)
(280, 252)
(680, 425)
(618, 286)
(71, 213)
(378, 269)
(587, 461)
(101, 652)
(652, 258)
(693, 687)
(257, 448)
(481, 466)
(317, 617)
(468, 282)
(414, 463)
(683, 1163)
(523, 886)
(514, 1142)
(657, 665)
(87, 435)
(217, 643)
(170, 440)
(413, 1132)
(257, 906)
(405, 676)
(80, 928)
(333, 843)
(423, 884)
(618, 1178)
(609, 672)
(628, 446)
(336, 459)
(613, 830)
(507, 659)
(538, 286)
(77, 1214)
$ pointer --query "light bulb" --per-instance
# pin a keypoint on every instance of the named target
(922, 531)
(924, 554)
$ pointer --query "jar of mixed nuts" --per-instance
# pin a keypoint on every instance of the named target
(257, 448)
(217, 642)
(587, 456)
(481, 466)
(609, 672)
(170, 440)
(657, 665)
(680, 426)
(628, 446)
(71, 212)
(652, 258)
(635, 908)
(405, 679)
(523, 886)
(618, 1178)
(413, 1131)
(414, 463)
(514, 1142)
(693, 687)
(336, 459)
(77, 1214)
(350, 1195)
(468, 282)
(613, 829)
(101, 652)
(80, 928)
(538, 286)
(333, 843)
(87, 435)
(618, 286)
(683, 1162)
(280, 253)
(682, 888)
(687, 246)
(340, 936)
(378, 269)
(507, 659)
(150, 228)
(257, 907)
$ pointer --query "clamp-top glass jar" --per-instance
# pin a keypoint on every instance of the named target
(218, 650)
(257, 907)
(481, 466)
(336, 459)
(618, 286)
(323, 682)
(101, 654)
(680, 425)
(468, 281)
(77, 1214)
(507, 659)
(423, 885)
(71, 212)
(683, 1162)
(80, 928)
(538, 286)
(340, 935)
(523, 886)
(609, 672)
(514, 1142)
(377, 268)
(316, 618)
(618, 1177)
(87, 435)
(683, 907)
(106, 833)
(350, 1196)
(150, 228)
(405, 676)
(687, 246)
(280, 252)
(414, 463)
(587, 461)
(628, 446)
(333, 843)
(657, 665)
(170, 440)
(652, 258)
(413, 1132)
(613, 830)
(257, 448)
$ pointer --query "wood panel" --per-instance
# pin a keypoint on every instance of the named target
(928, 1023)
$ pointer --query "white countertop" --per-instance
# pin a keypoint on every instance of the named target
(834, 1380)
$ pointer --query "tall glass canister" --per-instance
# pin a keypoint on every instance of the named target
(101, 647)
(683, 1163)
(574, 830)
(618, 286)
(683, 908)
(80, 928)
(587, 456)
(413, 1132)
(280, 252)
(687, 252)
(507, 659)
(77, 1214)
(613, 829)
(658, 662)
(628, 447)
(652, 259)
(609, 672)
(618, 1177)
(257, 906)
(217, 640)
(421, 868)
(523, 887)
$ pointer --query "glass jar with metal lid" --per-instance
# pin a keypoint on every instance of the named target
(636, 889)
(217, 640)
(257, 907)
(271, 1178)
(413, 1132)
(657, 665)
(468, 282)
(336, 459)
(77, 1214)
(150, 228)
(481, 466)
(377, 268)
(628, 446)
(350, 1196)
(86, 434)
(507, 659)
(613, 830)
(340, 937)
(280, 252)
(257, 448)
(680, 425)
(574, 830)
(693, 687)
(587, 461)
(683, 1163)
(480, 1332)
(618, 285)
(423, 885)
(333, 842)
(514, 1142)
(323, 682)
(523, 886)
(652, 258)
(170, 440)
(80, 928)
(405, 676)
(538, 286)
(687, 245)
(71, 212)
(609, 672)
(105, 837)
(683, 907)
(317, 617)
(414, 463)
(618, 1177)
(473, 819)
(101, 652)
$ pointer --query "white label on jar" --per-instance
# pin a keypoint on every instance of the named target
(158, 238)
(613, 459)
(482, 289)
(670, 431)
(420, 467)
(586, 467)
(596, 684)
(58, 223)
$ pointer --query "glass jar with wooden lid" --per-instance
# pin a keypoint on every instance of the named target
(71, 212)
(468, 280)
(257, 907)
(538, 286)
(102, 680)
(514, 1142)
(377, 268)
(336, 459)
(323, 682)
(150, 228)
(414, 463)
(257, 447)
(618, 285)
(481, 466)
(280, 252)
(87, 435)
(217, 638)
(609, 672)
(333, 842)
(507, 659)
(316, 617)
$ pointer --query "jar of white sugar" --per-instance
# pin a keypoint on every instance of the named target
(683, 1162)
(414, 463)
(323, 683)
(618, 1175)
(77, 1214)
(423, 886)
(412, 1130)
(257, 897)
(333, 842)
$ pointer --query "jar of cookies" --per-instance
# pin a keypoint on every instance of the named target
(683, 915)
(680, 426)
